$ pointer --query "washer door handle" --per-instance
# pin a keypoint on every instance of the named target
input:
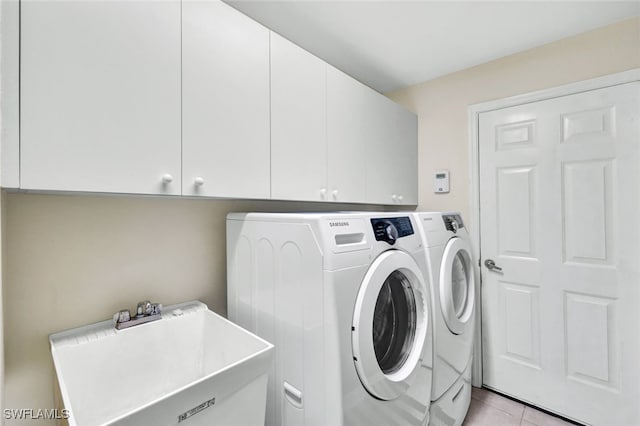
(491, 265)
(293, 395)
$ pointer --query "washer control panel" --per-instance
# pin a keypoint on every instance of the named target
(389, 229)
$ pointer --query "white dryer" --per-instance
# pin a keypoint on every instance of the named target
(451, 272)
(344, 299)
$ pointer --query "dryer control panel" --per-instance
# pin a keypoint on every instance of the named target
(389, 229)
(452, 222)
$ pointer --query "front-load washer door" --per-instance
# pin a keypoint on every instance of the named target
(389, 324)
(457, 289)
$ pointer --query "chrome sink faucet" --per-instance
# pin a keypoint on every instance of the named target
(146, 312)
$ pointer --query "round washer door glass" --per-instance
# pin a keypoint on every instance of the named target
(394, 322)
(390, 323)
(457, 285)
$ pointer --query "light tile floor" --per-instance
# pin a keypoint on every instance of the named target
(488, 408)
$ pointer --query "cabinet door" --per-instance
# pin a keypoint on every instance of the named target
(225, 83)
(392, 153)
(407, 157)
(100, 96)
(298, 123)
(382, 165)
(346, 137)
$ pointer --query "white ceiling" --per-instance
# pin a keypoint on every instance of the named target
(393, 43)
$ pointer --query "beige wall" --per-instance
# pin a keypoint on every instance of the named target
(442, 104)
(73, 260)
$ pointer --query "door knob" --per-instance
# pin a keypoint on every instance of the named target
(491, 265)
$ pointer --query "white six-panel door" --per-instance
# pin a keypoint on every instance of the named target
(560, 214)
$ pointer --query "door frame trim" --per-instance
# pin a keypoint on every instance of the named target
(474, 112)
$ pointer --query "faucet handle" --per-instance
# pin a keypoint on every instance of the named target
(122, 316)
(147, 308)
(156, 308)
(144, 308)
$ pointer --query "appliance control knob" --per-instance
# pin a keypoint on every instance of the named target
(391, 233)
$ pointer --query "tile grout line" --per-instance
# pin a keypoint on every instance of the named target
(533, 408)
(485, 403)
(500, 409)
(483, 406)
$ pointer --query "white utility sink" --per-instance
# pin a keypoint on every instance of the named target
(192, 367)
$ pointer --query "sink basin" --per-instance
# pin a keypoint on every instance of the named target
(191, 367)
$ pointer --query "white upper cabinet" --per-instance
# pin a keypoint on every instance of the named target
(298, 123)
(100, 96)
(194, 98)
(225, 102)
(347, 123)
(392, 163)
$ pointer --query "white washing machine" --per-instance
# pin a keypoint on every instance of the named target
(452, 273)
(344, 299)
